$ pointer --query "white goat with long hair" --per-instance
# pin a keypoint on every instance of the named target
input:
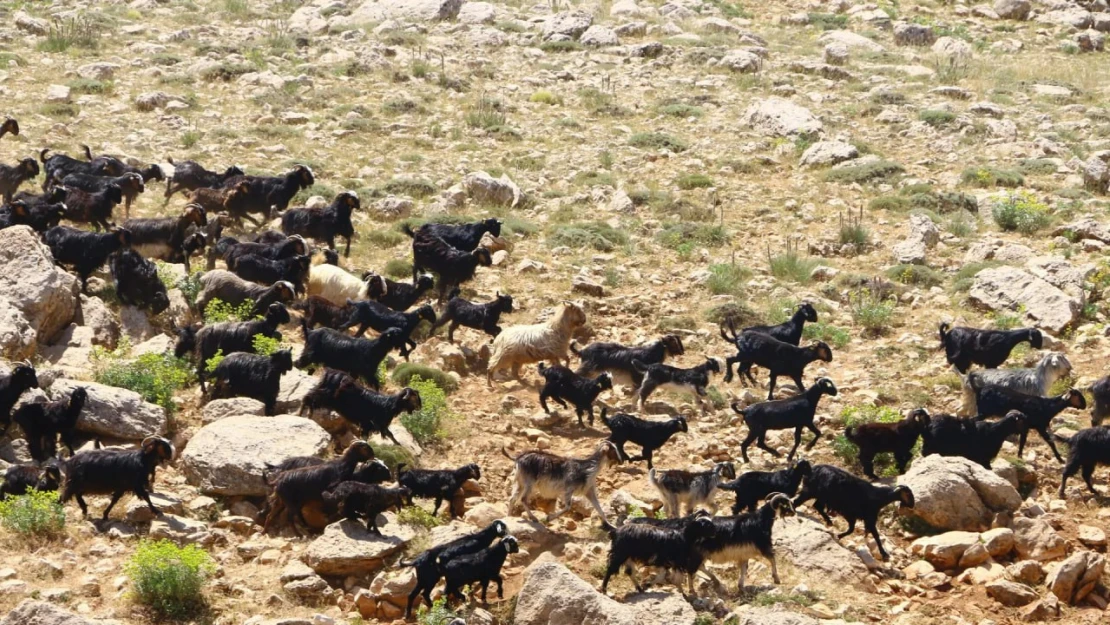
(1036, 381)
(527, 344)
(335, 284)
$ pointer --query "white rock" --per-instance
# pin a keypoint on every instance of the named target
(778, 117)
(114, 412)
(952, 493)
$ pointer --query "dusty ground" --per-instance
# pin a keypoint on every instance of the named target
(409, 111)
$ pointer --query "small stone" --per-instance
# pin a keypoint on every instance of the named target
(1092, 536)
(1010, 594)
(57, 93)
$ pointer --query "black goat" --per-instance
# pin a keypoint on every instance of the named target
(477, 569)
(324, 224)
(427, 563)
(20, 478)
(794, 412)
(1087, 449)
(978, 441)
(617, 359)
(465, 237)
(12, 176)
(230, 337)
(370, 314)
(672, 549)
(164, 237)
(694, 379)
(789, 331)
(297, 487)
(754, 348)
(137, 282)
(369, 410)
(440, 485)
(649, 435)
(267, 194)
(320, 312)
(755, 486)
(93, 208)
(105, 471)
(896, 438)
(357, 356)
(251, 375)
(1100, 392)
(1039, 411)
(265, 271)
(10, 125)
(58, 166)
(452, 265)
(399, 296)
(190, 175)
(835, 490)
(562, 385)
(85, 251)
(740, 538)
(130, 185)
(21, 378)
(354, 499)
(15, 214)
(483, 317)
(42, 423)
(964, 347)
(45, 211)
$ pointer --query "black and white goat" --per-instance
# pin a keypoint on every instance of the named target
(562, 385)
(692, 489)
(743, 537)
(694, 379)
(541, 474)
(652, 545)
(649, 435)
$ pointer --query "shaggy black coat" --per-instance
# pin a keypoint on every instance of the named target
(164, 238)
(438, 484)
(369, 410)
(370, 314)
(297, 487)
(251, 375)
(562, 385)
(465, 237)
(427, 563)
(85, 251)
(130, 185)
(137, 282)
(649, 435)
(191, 175)
(20, 478)
(452, 265)
(12, 176)
(113, 472)
(357, 356)
(616, 358)
(42, 423)
(21, 378)
(964, 347)
(267, 194)
(482, 317)
(92, 208)
(399, 296)
(230, 337)
(324, 224)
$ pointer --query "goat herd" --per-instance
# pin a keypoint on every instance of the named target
(274, 269)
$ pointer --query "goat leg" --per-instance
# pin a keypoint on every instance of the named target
(743, 576)
(870, 527)
(771, 388)
(851, 528)
(115, 497)
(1051, 445)
(816, 435)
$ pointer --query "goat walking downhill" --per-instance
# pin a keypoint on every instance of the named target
(546, 475)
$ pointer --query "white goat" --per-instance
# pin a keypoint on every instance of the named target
(1036, 381)
(335, 284)
(540, 474)
(522, 345)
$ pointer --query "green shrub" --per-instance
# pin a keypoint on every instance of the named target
(156, 377)
(398, 268)
(694, 181)
(80, 31)
(265, 345)
(226, 71)
(677, 109)
(385, 238)
(789, 265)
(966, 275)
(592, 234)
(59, 109)
(1037, 166)
(170, 579)
(405, 371)
(595, 179)
(190, 285)
(37, 513)
(890, 203)
(213, 362)
(838, 338)
(218, 311)
(871, 311)
(427, 424)
(393, 455)
(914, 274)
(936, 118)
(91, 85)
(852, 231)
(1020, 211)
(676, 234)
(657, 141)
(418, 517)
(727, 279)
(560, 46)
(438, 614)
(828, 21)
(873, 171)
(409, 186)
(986, 176)
(545, 97)
(741, 315)
(846, 450)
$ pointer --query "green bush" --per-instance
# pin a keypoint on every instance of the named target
(937, 118)
(34, 514)
(873, 171)
(828, 21)
(678, 109)
(1037, 166)
(727, 279)
(156, 377)
(80, 31)
(694, 181)
(393, 455)
(1020, 211)
(409, 186)
(545, 97)
(405, 371)
(170, 579)
(427, 424)
(438, 614)
(846, 450)
(213, 362)
(398, 268)
(890, 203)
(914, 274)
(189, 285)
(265, 345)
(560, 46)
(681, 233)
(741, 315)
(871, 311)
(789, 265)
(986, 176)
(91, 85)
(218, 311)
(657, 141)
(418, 517)
(593, 234)
(838, 338)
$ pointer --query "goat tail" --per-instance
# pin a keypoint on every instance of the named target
(42, 154)
(88, 152)
(943, 328)
(605, 417)
(574, 348)
(169, 159)
(407, 229)
(455, 292)
(506, 454)
(639, 366)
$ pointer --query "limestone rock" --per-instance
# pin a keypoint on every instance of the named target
(741, 61)
(485, 189)
(778, 117)
(599, 36)
(567, 25)
(114, 412)
(404, 11)
(17, 337)
(777, 615)
(477, 13)
(1077, 576)
(552, 595)
(98, 71)
(1035, 539)
(1013, 9)
(1009, 288)
(347, 548)
(233, 407)
(954, 493)
(33, 612)
(1011, 594)
(850, 40)
(32, 25)
(813, 550)
(827, 153)
(909, 34)
(227, 457)
(944, 551)
(45, 293)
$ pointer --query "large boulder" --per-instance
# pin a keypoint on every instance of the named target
(1006, 289)
(17, 337)
(1085, 228)
(114, 412)
(405, 10)
(812, 549)
(910, 34)
(944, 551)
(227, 457)
(1077, 576)
(923, 235)
(232, 407)
(32, 612)
(347, 548)
(552, 595)
(777, 615)
(952, 493)
(828, 153)
(1034, 539)
(567, 25)
(1011, 594)
(599, 36)
(1013, 9)
(29, 279)
(661, 608)
(292, 388)
(851, 40)
(776, 116)
(485, 189)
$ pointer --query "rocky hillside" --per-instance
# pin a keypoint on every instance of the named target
(670, 166)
